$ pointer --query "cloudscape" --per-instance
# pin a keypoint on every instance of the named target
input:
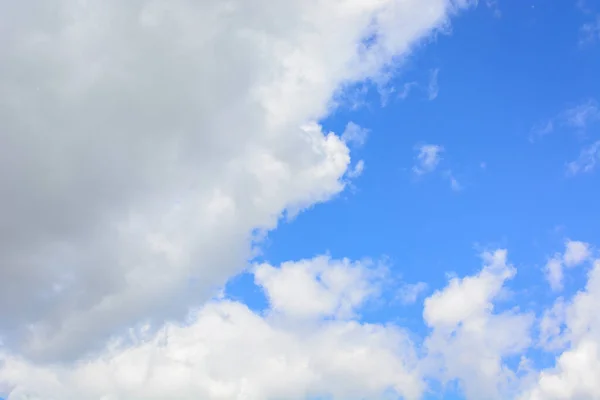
(299, 200)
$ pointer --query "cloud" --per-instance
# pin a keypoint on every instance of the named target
(493, 5)
(582, 115)
(542, 129)
(410, 292)
(454, 184)
(575, 372)
(144, 142)
(469, 341)
(552, 326)
(427, 159)
(554, 273)
(310, 343)
(587, 160)
(406, 89)
(227, 351)
(590, 32)
(582, 6)
(357, 170)
(318, 287)
(576, 253)
(579, 116)
(433, 88)
(355, 135)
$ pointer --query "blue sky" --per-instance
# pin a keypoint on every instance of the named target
(443, 242)
(499, 78)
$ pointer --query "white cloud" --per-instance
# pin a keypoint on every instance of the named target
(427, 159)
(582, 114)
(576, 253)
(587, 160)
(355, 135)
(554, 273)
(552, 325)
(228, 352)
(579, 116)
(406, 89)
(576, 370)
(541, 130)
(309, 343)
(318, 287)
(469, 341)
(410, 292)
(454, 183)
(433, 88)
(358, 169)
(143, 143)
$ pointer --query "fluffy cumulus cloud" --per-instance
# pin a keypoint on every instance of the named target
(576, 253)
(226, 351)
(144, 142)
(317, 288)
(313, 343)
(575, 329)
(470, 341)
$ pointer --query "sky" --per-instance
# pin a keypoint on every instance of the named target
(303, 200)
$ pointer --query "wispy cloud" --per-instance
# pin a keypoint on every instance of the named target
(410, 292)
(433, 88)
(582, 115)
(588, 158)
(590, 32)
(355, 135)
(581, 4)
(493, 5)
(579, 117)
(357, 170)
(541, 129)
(427, 159)
(406, 89)
(454, 184)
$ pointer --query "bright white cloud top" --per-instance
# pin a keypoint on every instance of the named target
(146, 148)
